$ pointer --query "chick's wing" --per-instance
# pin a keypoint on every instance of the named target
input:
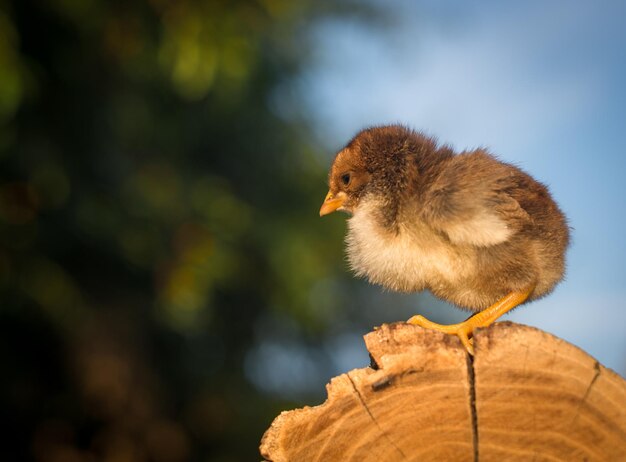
(473, 202)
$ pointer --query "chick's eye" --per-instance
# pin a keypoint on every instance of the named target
(345, 179)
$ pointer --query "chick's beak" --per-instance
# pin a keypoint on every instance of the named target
(332, 203)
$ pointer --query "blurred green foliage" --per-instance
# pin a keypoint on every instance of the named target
(157, 219)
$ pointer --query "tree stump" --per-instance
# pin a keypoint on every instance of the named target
(526, 395)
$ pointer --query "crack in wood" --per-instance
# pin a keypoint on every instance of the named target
(369, 413)
(373, 363)
(382, 383)
(472, 403)
(596, 367)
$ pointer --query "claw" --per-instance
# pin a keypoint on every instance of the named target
(465, 329)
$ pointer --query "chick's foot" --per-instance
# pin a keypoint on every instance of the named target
(465, 330)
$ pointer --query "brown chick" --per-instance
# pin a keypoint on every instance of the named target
(476, 232)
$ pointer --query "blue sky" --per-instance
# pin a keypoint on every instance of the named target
(542, 85)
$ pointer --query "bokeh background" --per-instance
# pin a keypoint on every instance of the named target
(166, 286)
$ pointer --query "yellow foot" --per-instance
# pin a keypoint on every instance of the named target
(465, 330)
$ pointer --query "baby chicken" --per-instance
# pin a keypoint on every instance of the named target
(476, 232)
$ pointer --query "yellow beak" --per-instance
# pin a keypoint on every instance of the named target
(332, 203)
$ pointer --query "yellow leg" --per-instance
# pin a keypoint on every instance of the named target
(465, 329)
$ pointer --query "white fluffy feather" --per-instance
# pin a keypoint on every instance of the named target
(411, 260)
(483, 229)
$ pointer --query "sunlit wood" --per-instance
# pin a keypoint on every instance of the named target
(526, 395)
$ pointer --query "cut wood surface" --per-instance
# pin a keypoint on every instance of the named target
(526, 395)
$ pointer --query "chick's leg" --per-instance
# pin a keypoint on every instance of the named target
(465, 329)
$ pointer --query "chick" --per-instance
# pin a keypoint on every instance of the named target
(473, 230)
